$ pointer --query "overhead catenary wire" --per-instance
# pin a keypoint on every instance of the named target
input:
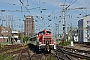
(70, 4)
(37, 3)
(79, 7)
(37, 15)
(25, 7)
(27, 1)
(53, 12)
(21, 11)
(40, 9)
(83, 4)
(64, 2)
(54, 9)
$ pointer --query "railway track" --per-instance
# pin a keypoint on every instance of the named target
(79, 54)
(24, 55)
(58, 54)
(8, 52)
(79, 51)
(7, 48)
(83, 44)
(43, 57)
(62, 53)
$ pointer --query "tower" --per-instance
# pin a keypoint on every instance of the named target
(29, 25)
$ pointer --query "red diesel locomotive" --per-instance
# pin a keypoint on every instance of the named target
(44, 41)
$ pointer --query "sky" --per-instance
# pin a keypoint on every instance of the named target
(46, 13)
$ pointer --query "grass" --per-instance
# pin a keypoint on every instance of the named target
(6, 57)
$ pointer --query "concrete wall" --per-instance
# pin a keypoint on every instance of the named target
(80, 30)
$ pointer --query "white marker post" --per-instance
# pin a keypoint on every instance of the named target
(72, 43)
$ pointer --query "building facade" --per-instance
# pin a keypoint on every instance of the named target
(28, 26)
(15, 37)
(3, 34)
(84, 29)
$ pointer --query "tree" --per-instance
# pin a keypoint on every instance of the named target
(25, 39)
(19, 36)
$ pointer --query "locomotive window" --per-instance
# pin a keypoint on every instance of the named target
(42, 32)
(48, 32)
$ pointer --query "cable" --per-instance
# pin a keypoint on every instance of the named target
(53, 10)
(84, 3)
(24, 6)
(39, 24)
(27, 1)
(21, 12)
(64, 2)
(36, 2)
(74, 2)
(71, 4)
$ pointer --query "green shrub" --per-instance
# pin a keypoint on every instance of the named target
(0, 45)
(25, 39)
(64, 43)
